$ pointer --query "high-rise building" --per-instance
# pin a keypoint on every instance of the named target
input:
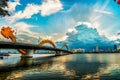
(97, 48)
(118, 48)
(115, 47)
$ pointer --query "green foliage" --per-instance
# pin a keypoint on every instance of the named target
(3, 3)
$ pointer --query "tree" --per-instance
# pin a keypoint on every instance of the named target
(3, 4)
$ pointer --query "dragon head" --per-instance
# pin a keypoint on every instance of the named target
(7, 32)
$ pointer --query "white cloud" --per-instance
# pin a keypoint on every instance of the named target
(12, 5)
(25, 34)
(48, 7)
(86, 23)
(103, 12)
(87, 38)
(101, 17)
(27, 13)
(59, 38)
(99, 11)
(22, 27)
(100, 30)
(64, 38)
(49, 37)
(72, 30)
(24, 30)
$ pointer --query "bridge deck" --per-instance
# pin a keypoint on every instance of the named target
(11, 45)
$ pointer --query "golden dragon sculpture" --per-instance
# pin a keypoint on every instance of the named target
(8, 33)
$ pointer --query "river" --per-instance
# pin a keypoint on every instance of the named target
(67, 67)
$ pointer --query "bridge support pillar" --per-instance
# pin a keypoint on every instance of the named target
(57, 53)
(29, 54)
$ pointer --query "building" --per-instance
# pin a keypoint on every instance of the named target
(97, 48)
(79, 50)
(117, 47)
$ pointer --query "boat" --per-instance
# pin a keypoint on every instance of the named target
(6, 54)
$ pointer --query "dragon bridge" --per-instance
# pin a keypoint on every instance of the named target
(8, 33)
(64, 46)
(47, 41)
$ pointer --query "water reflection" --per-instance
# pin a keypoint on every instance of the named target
(42, 69)
(25, 62)
(9, 61)
(69, 67)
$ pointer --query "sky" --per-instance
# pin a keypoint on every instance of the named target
(61, 21)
